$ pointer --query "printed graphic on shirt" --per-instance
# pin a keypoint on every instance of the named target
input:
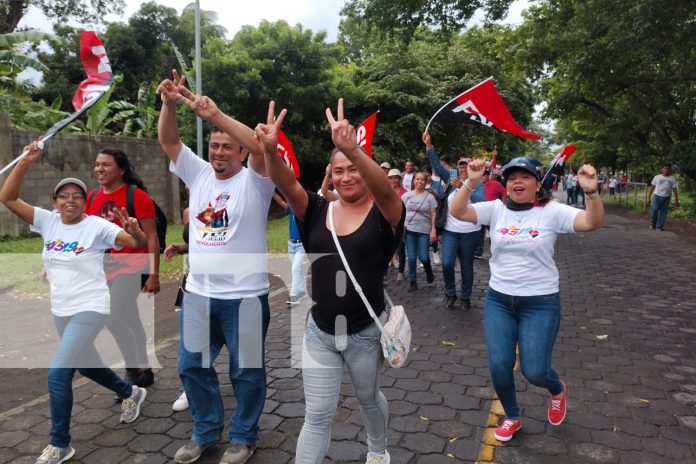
(109, 211)
(513, 234)
(55, 248)
(214, 220)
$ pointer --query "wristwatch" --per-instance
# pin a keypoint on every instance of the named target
(591, 195)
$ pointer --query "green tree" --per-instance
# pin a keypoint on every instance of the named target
(618, 76)
(408, 83)
(403, 17)
(12, 11)
(291, 65)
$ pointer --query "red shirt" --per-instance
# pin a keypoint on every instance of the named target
(494, 190)
(104, 205)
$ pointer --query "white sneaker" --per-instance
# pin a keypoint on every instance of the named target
(181, 403)
(436, 258)
(400, 276)
(374, 458)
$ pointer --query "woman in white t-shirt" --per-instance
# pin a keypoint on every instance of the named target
(73, 253)
(522, 303)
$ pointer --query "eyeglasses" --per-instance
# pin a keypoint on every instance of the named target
(68, 195)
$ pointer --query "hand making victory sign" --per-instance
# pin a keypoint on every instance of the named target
(342, 133)
(266, 135)
(168, 89)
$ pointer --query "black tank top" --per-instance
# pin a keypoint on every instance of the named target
(367, 250)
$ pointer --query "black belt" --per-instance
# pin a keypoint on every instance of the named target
(295, 241)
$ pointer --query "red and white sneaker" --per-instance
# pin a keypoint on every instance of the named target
(507, 429)
(557, 407)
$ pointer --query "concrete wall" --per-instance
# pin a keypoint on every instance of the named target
(72, 155)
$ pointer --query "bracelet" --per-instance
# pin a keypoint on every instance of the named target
(591, 195)
(466, 185)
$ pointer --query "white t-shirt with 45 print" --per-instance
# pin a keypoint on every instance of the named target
(74, 258)
(522, 245)
(227, 226)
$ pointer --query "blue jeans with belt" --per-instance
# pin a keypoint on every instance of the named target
(76, 351)
(531, 322)
(206, 324)
(322, 369)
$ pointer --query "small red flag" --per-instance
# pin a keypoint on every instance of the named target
(365, 131)
(566, 153)
(483, 104)
(287, 153)
(97, 68)
(494, 159)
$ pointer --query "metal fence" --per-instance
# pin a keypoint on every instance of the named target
(634, 194)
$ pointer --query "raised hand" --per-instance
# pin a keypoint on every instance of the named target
(33, 152)
(169, 88)
(204, 107)
(266, 135)
(129, 224)
(342, 133)
(427, 140)
(475, 169)
(587, 178)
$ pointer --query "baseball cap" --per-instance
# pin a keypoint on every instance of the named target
(69, 180)
(385, 165)
(394, 172)
(522, 163)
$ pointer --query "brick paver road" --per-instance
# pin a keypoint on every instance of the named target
(626, 350)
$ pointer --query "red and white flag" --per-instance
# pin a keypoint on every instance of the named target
(494, 159)
(566, 153)
(287, 153)
(99, 79)
(365, 132)
(482, 104)
(97, 67)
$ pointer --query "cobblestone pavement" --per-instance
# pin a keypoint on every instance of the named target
(625, 350)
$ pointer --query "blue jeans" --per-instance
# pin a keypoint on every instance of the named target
(571, 198)
(76, 351)
(322, 369)
(296, 253)
(417, 244)
(462, 245)
(659, 207)
(206, 324)
(532, 323)
(401, 253)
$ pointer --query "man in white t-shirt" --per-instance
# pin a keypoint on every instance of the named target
(661, 189)
(226, 298)
(407, 175)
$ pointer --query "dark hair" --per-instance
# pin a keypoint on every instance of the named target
(446, 159)
(122, 161)
(667, 165)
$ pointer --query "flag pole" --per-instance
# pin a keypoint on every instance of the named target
(445, 105)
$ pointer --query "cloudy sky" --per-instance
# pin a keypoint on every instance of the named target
(312, 14)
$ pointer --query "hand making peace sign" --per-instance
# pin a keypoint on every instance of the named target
(342, 133)
(266, 135)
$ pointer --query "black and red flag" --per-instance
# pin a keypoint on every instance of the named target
(482, 104)
(99, 79)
